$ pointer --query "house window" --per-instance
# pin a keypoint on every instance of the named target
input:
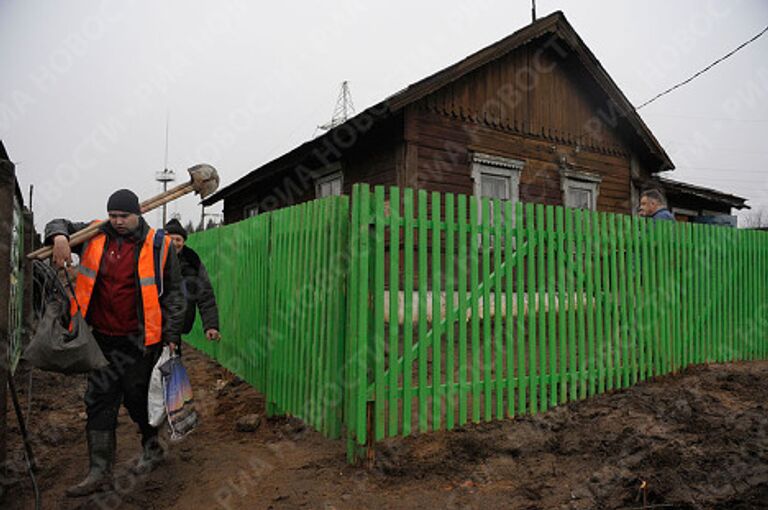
(329, 185)
(580, 189)
(496, 177)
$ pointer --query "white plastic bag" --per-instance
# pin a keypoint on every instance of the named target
(156, 396)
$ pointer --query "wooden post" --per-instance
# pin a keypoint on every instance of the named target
(7, 190)
(31, 243)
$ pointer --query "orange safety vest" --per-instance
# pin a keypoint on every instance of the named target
(151, 263)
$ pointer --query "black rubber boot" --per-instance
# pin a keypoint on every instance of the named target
(152, 455)
(101, 452)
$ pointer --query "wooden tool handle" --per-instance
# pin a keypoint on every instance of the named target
(91, 230)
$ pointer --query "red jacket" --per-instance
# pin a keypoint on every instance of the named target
(116, 315)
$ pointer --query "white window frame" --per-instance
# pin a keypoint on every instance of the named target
(329, 174)
(576, 179)
(488, 164)
(497, 166)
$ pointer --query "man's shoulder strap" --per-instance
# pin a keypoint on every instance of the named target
(160, 247)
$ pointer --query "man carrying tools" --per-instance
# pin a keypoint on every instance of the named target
(128, 289)
(195, 284)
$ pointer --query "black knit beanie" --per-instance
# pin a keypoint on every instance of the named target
(174, 227)
(124, 200)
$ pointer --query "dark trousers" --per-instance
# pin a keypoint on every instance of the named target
(125, 379)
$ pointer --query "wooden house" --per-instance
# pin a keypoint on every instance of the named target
(533, 117)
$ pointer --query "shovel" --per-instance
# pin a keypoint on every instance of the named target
(204, 180)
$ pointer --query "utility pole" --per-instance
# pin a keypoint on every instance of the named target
(533, 9)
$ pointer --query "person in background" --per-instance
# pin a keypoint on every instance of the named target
(195, 285)
(128, 288)
(654, 205)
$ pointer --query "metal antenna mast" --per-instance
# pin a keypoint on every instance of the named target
(343, 110)
(166, 175)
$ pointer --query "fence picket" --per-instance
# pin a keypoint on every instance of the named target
(450, 339)
(462, 286)
(394, 311)
(623, 303)
(487, 383)
(532, 307)
(561, 305)
(319, 320)
(510, 257)
(589, 302)
(498, 332)
(361, 339)
(630, 300)
(436, 313)
(540, 307)
(522, 380)
(571, 293)
(599, 329)
(474, 305)
(378, 311)
(408, 276)
(581, 349)
(638, 304)
(615, 298)
(423, 252)
(551, 237)
(669, 298)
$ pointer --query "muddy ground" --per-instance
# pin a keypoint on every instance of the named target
(697, 439)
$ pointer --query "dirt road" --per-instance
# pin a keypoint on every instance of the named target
(697, 439)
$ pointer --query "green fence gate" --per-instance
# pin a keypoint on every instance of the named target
(473, 310)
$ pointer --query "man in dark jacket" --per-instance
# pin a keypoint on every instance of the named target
(129, 289)
(654, 205)
(195, 284)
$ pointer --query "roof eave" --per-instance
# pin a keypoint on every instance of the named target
(728, 199)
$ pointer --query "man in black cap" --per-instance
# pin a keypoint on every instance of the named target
(128, 289)
(195, 284)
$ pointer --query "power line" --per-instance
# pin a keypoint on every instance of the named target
(710, 66)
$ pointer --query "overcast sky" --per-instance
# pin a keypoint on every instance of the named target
(86, 86)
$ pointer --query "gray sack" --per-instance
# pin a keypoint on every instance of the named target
(57, 349)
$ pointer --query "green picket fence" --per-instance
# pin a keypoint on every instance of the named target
(473, 310)
(279, 280)
(410, 311)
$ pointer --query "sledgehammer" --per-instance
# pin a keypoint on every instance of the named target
(204, 180)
